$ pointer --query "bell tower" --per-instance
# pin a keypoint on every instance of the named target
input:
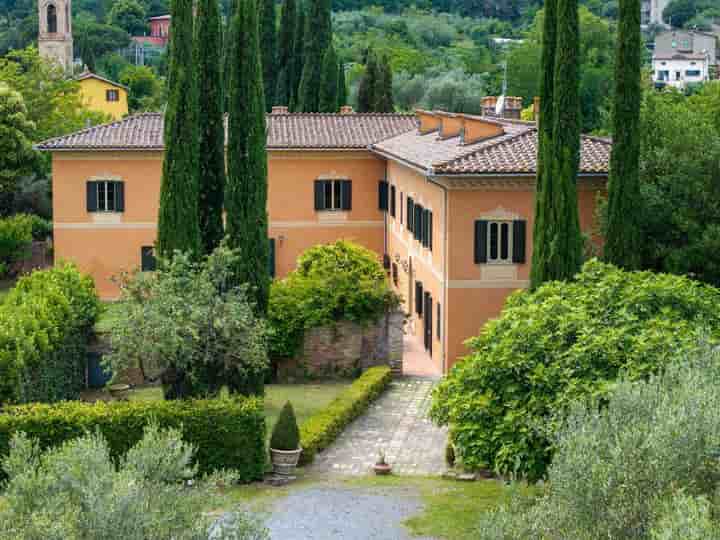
(55, 40)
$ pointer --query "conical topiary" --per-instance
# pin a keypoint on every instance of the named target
(286, 435)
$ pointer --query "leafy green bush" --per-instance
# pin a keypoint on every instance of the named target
(286, 435)
(562, 342)
(41, 227)
(321, 430)
(16, 236)
(340, 281)
(227, 433)
(185, 322)
(625, 471)
(77, 491)
(45, 322)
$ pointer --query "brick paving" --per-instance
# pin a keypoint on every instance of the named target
(398, 425)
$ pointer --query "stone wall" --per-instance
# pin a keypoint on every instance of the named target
(346, 348)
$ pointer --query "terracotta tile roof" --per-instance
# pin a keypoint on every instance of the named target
(515, 152)
(285, 131)
(90, 75)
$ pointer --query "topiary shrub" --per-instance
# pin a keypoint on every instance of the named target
(562, 342)
(286, 434)
(335, 282)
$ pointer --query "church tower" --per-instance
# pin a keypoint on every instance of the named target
(55, 36)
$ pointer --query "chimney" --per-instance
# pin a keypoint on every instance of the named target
(347, 109)
(488, 105)
(513, 108)
(279, 109)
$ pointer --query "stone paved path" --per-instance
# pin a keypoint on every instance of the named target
(397, 423)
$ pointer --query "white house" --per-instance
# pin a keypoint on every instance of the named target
(679, 70)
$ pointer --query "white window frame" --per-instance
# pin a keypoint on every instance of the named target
(335, 195)
(499, 259)
(104, 204)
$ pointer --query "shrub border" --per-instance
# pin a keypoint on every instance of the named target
(321, 429)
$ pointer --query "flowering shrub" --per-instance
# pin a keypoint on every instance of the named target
(45, 323)
(76, 492)
(643, 467)
(562, 342)
(332, 283)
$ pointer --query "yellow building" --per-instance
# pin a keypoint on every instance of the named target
(103, 95)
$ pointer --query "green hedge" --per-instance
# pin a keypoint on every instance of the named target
(229, 433)
(320, 430)
(45, 323)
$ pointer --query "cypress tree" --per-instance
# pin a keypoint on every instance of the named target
(286, 53)
(384, 102)
(178, 224)
(562, 219)
(342, 86)
(246, 188)
(368, 85)
(623, 241)
(228, 43)
(319, 37)
(211, 126)
(329, 82)
(269, 40)
(298, 56)
(543, 193)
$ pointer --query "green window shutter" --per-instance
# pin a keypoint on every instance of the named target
(393, 202)
(519, 241)
(319, 195)
(346, 194)
(383, 195)
(430, 230)
(92, 202)
(419, 298)
(119, 196)
(410, 213)
(481, 248)
(272, 258)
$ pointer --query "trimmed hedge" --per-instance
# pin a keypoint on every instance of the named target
(320, 430)
(45, 323)
(229, 433)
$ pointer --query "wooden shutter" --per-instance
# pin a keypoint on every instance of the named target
(410, 213)
(481, 248)
(519, 241)
(419, 298)
(383, 195)
(272, 258)
(119, 196)
(92, 202)
(418, 221)
(393, 202)
(430, 230)
(319, 195)
(346, 194)
(148, 262)
(439, 322)
(426, 229)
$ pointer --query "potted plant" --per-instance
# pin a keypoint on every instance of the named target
(382, 468)
(285, 443)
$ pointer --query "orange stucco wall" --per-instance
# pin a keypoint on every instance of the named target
(104, 245)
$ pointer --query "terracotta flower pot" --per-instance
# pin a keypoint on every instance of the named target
(284, 462)
(382, 469)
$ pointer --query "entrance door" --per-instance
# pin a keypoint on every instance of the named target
(428, 313)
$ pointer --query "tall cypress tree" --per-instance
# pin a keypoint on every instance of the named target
(269, 40)
(562, 219)
(384, 101)
(546, 121)
(368, 84)
(298, 56)
(318, 34)
(246, 188)
(329, 82)
(286, 52)
(342, 86)
(228, 44)
(178, 223)
(623, 241)
(211, 126)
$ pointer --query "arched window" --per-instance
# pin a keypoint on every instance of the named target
(51, 19)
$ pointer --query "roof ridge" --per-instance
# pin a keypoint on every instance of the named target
(598, 138)
(506, 138)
